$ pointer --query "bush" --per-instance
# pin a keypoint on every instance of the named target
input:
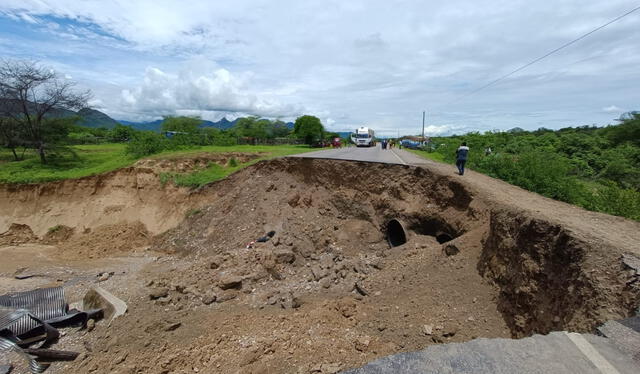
(617, 201)
(544, 173)
(146, 143)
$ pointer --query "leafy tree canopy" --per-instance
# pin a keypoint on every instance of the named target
(181, 124)
(308, 128)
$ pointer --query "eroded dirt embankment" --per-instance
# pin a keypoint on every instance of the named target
(552, 278)
(327, 292)
(127, 196)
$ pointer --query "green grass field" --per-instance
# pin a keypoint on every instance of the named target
(216, 172)
(97, 159)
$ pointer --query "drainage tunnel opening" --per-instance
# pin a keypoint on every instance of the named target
(433, 226)
(395, 233)
(443, 238)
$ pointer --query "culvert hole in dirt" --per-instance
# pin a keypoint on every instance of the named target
(395, 233)
(443, 238)
(435, 227)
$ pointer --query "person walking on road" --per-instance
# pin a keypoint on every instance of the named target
(461, 157)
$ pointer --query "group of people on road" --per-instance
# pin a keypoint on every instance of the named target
(387, 144)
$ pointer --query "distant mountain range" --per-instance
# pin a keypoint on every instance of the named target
(95, 118)
(223, 124)
(88, 117)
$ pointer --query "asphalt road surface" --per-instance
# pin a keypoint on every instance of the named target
(370, 154)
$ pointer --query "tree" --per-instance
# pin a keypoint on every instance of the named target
(34, 96)
(181, 124)
(280, 129)
(121, 133)
(146, 143)
(308, 128)
(246, 126)
(10, 136)
(627, 131)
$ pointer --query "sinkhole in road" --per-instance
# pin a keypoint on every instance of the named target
(357, 263)
(334, 213)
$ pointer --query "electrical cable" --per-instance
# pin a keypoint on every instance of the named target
(542, 57)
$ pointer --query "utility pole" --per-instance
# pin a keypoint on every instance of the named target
(423, 115)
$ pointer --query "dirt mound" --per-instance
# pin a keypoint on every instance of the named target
(17, 234)
(107, 240)
(184, 164)
(366, 260)
(57, 234)
(327, 292)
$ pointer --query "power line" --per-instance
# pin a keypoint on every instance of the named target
(543, 57)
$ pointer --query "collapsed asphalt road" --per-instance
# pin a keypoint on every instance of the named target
(479, 259)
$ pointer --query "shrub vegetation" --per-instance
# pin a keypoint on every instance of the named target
(595, 168)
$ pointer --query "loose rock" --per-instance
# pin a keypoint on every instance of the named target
(427, 329)
(451, 250)
(230, 281)
(158, 293)
(209, 298)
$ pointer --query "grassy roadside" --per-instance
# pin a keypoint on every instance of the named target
(216, 172)
(96, 159)
(429, 155)
(543, 173)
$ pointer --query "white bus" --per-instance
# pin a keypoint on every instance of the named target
(363, 137)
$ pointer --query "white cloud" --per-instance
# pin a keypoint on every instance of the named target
(96, 103)
(612, 109)
(433, 130)
(202, 93)
(355, 62)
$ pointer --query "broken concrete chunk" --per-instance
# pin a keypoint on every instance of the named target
(99, 298)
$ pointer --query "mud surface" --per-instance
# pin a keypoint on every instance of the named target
(327, 292)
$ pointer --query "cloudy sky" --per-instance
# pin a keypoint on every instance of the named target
(349, 62)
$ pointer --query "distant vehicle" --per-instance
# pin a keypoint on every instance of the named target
(411, 144)
(336, 142)
(319, 144)
(363, 137)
